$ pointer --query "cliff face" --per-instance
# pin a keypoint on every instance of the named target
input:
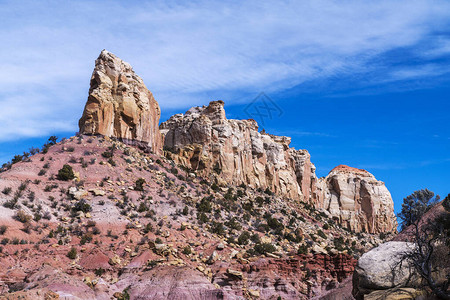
(234, 152)
(119, 105)
(358, 200)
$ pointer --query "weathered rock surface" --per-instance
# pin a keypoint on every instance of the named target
(60, 284)
(170, 282)
(206, 141)
(399, 294)
(382, 268)
(119, 105)
(362, 203)
(234, 152)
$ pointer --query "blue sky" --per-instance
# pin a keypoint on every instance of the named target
(359, 83)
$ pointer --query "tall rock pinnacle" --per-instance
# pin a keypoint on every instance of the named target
(120, 105)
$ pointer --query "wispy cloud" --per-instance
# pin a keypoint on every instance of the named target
(187, 51)
(301, 133)
(401, 166)
(429, 70)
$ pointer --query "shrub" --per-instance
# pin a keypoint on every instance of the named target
(321, 234)
(33, 150)
(243, 238)
(217, 169)
(139, 186)
(112, 162)
(339, 243)
(99, 272)
(22, 216)
(72, 254)
(202, 218)
(255, 238)
(215, 187)
(204, 205)
(187, 250)
(148, 228)
(3, 229)
(274, 223)
(264, 248)
(86, 238)
(217, 228)
(234, 224)
(6, 190)
(107, 154)
(16, 159)
(302, 249)
(185, 211)
(142, 207)
(66, 173)
(174, 171)
(82, 205)
(268, 191)
(23, 186)
(11, 204)
(37, 216)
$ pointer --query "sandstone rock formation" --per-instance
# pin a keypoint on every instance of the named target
(206, 141)
(234, 152)
(384, 268)
(358, 200)
(119, 105)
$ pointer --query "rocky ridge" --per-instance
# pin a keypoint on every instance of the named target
(234, 152)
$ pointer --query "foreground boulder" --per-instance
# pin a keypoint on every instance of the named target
(119, 105)
(384, 268)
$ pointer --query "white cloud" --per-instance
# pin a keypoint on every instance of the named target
(428, 70)
(185, 52)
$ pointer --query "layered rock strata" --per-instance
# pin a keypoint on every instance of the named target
(119, 105)
(204, 140)
(234, 152)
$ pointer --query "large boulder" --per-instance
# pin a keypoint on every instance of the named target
(119, 105)
(384, 267)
